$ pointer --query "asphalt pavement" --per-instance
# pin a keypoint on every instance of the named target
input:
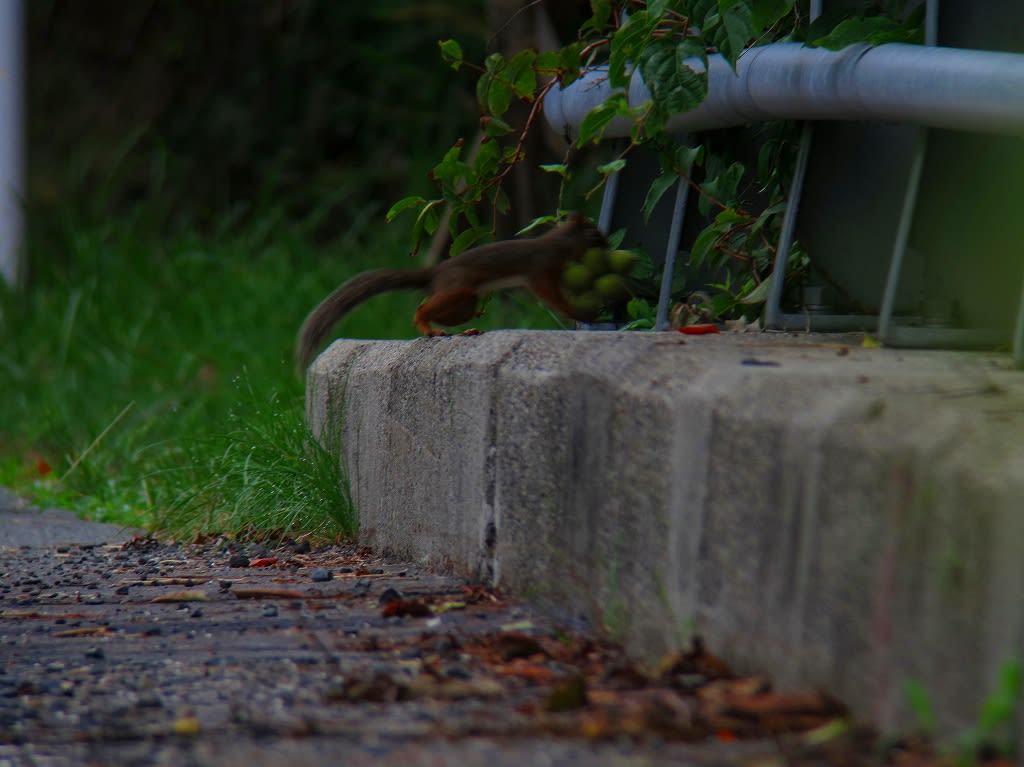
(120, 649)
(22, 524)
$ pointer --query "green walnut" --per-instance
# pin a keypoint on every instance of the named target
(611, 288)
(586, 305)
(596, 260)
(621, 261)
(577, 278)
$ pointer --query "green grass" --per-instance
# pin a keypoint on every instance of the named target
(152, 372)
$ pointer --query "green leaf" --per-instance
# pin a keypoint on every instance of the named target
(730, 216)
(597, 119)
(720, 188)
(403, 204)
(627, 45)
(495, 126)
(521, 76)
(426, 223)
(569, 64)
(764, 13)
(539, 221)
(487, 159)
(673, 85)
(451, 52)
(499, 97)
(500, 200)
(736, 29)
(687, 156)
(656, 191)
(558, 167)
(611, 167)
(875, 30)
(639, 324)
(468, 238)
(703, 245)
(759, 294)
(600, 13)
(639, 309)
(547, 63)
(492, 92)
(451, 169)
(1000, 707)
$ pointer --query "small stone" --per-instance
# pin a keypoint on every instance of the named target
(95, 652)
(389, 595)
(270, 611)
(196, 613)
(238, 560)
(320, 574)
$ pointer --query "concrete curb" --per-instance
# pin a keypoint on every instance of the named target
(842, 517)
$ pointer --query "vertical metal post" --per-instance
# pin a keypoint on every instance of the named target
(671, 249)
(899, 250)
(12, 149)
(899, 247)
(1018, 335)
(773, 309)
(611, 191)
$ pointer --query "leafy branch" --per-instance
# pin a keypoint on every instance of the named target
(668, 43)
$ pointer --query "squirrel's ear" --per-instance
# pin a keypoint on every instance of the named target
(576, 219)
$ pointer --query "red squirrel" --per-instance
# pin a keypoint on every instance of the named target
(456, 284)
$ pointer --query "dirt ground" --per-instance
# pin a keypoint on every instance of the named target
(147, 653)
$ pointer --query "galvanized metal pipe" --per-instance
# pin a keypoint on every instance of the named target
(954, 88)
(12, 138)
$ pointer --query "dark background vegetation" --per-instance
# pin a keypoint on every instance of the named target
(201, 107)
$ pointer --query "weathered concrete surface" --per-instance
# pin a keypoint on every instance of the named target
(838, 516)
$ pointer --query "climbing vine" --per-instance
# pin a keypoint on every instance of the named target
(740, 201)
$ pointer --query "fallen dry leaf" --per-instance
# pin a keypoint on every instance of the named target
(413, 608)
(181, 580)
(182, 596)
(428, 686)
(568, 695)
(525, 670)
(696, 660)
(748, 706)
(83, 632)
(509, 646)
(267, 594)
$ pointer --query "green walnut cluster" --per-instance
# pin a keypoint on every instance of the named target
(596, 281)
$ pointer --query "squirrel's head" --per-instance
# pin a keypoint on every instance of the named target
(578, 224)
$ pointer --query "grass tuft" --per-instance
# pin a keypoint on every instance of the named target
(147, 369)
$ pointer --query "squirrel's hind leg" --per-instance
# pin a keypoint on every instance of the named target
(449, 308)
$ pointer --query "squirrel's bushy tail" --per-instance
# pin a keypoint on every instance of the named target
(345, 298)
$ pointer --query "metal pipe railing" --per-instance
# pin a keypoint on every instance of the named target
(956, 88)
